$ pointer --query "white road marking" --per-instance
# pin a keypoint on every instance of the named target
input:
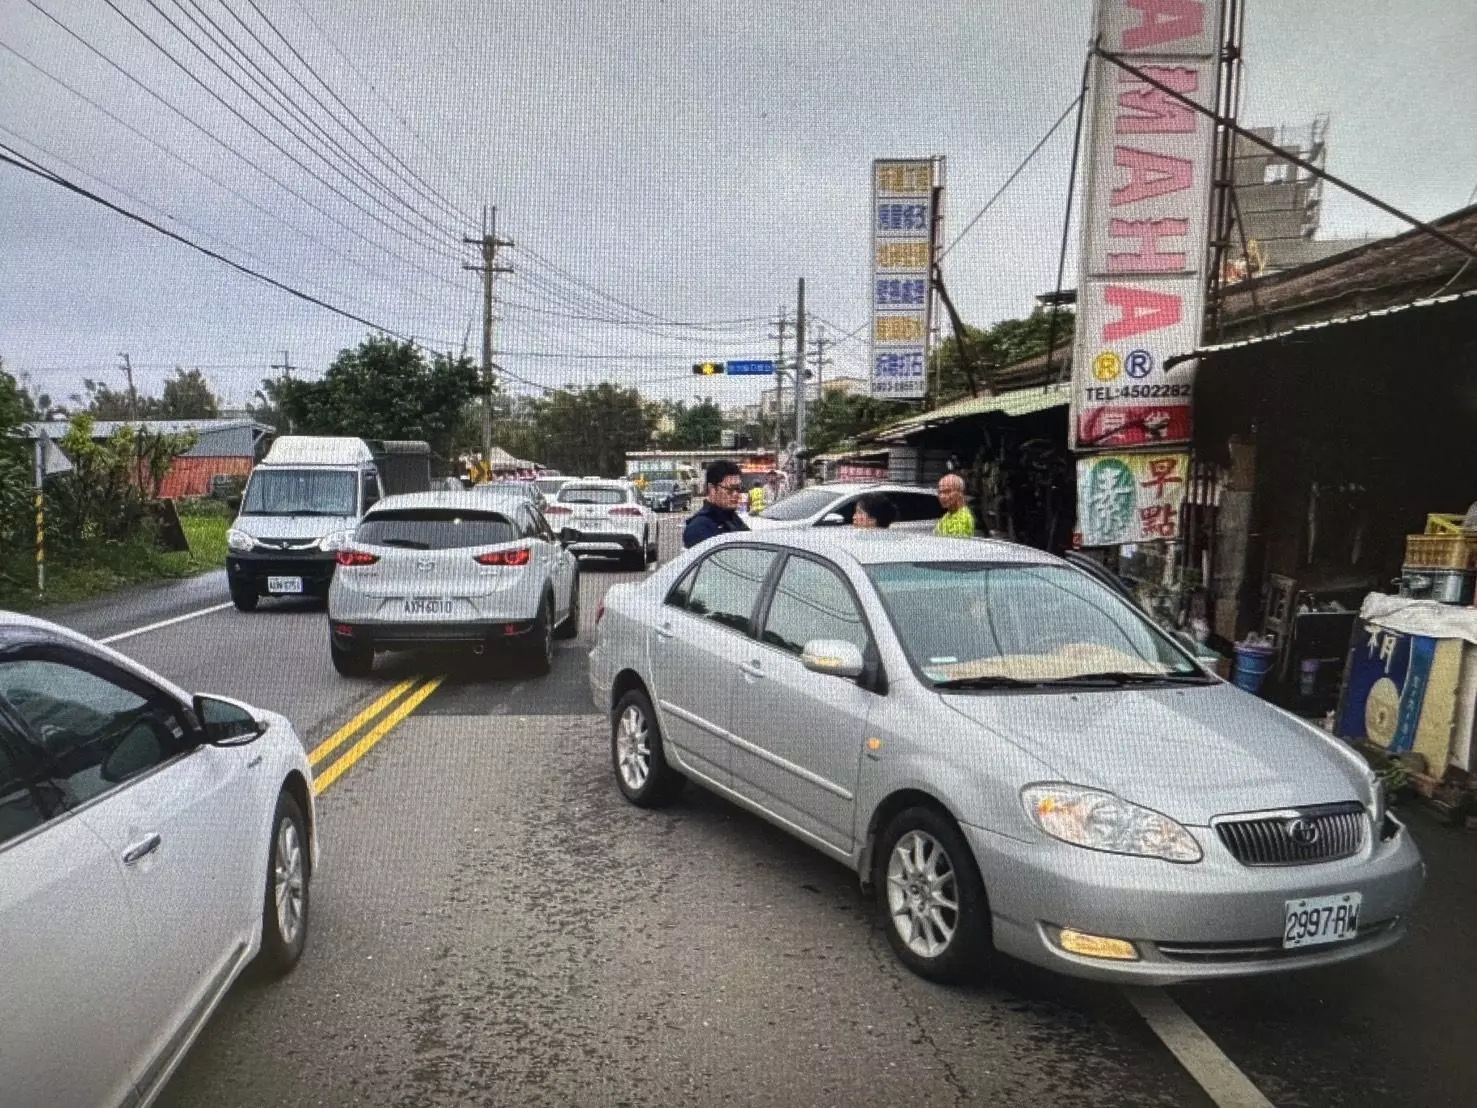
(163, 623)
(1222, 1081)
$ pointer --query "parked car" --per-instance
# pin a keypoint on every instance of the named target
(446, 567)
(152, 845)
(549, 486)
(832, 505)
(525, 490)
(1012, 757)
(605, 517)
(668, 495)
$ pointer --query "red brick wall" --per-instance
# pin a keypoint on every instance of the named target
(191, 476)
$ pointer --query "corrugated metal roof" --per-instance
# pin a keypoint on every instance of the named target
(1325, 323)
(1018, 402)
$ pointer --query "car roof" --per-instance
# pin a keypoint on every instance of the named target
(875, 547)
(602, 482)
(466, 499)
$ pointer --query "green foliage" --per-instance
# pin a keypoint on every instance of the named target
(1005, 343)
(580, 431)
(841, 416)
(16, 467)
(697, 426)
(381, 389)
(187, 395)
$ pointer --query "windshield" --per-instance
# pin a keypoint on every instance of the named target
(962, 621)
(435, 529)
(550, 486)
(802, 504)
(300, 492)
(590, 494)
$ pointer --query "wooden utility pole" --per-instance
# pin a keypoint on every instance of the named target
(490, 244)
(286, 367)
(127, 368)
(820, 344)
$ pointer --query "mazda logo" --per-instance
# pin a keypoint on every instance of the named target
(425, 566)
(1303, 832)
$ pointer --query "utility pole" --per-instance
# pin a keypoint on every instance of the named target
(127, 368)
(490, 244)
(779, 382)
(286, 367)
(820, 361)
(800, 382)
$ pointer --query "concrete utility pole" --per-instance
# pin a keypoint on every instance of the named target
(286, 367)
(490, 244)
(127, 368)
(800, 381)
(820, 361)
(779, 382)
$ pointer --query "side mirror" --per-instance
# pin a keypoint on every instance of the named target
(832, 519)
(227, 722)
(833, 657)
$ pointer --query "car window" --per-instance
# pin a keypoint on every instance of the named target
(913, 507)
(812, 602)
(436, 528)
(20, 808)
(682, 590)
(728, 584)
(800, 505)
(591, 494)
(94, 732)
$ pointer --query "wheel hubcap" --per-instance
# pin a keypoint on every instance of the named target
(922, 894)
(633, 749)
(287, 881)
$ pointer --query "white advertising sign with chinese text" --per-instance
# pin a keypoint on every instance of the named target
(1129, 498)
(902, 260)
(1147, 196)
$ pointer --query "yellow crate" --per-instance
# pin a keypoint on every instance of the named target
(1440, 523)
(1441, 551)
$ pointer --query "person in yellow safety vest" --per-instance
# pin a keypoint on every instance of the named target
(756, 499)
(957, 522)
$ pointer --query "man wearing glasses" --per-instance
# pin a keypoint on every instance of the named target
(719, 513)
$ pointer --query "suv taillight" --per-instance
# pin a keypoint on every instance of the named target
(355, 558)
(517, 557)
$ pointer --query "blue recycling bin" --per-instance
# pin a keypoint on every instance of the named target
(1253, 663)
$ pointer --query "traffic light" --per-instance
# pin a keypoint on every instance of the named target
(707, 369)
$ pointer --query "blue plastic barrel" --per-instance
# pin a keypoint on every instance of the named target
(1253, 662)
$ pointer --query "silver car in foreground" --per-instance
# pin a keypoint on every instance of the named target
(1006, 751)
(440, 568)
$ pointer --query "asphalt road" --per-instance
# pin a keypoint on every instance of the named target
(493, 924)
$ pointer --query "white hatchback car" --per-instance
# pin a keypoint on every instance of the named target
(151, 845)
(598, 516)
(439, 568)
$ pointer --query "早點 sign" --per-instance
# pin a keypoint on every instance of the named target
(1130, 498)
(1146, 203)
(903, 249)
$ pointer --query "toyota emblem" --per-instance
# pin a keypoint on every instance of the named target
(1303, 832)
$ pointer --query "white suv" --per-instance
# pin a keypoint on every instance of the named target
(918, 509)
(605, 517)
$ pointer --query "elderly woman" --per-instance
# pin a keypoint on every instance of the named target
(874, 511)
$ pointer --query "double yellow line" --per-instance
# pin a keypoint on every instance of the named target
(341, 765)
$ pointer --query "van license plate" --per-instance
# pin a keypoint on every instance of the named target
(1321, 919)
(423, 607)
(284, 585)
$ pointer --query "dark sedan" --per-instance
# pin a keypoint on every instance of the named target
(668, 496)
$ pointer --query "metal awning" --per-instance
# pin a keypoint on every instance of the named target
(1017, 402)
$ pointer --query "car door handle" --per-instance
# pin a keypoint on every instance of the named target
(665, 631)
(751, 669)
(142, 849)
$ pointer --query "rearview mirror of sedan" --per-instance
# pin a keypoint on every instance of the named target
(227, 722)
(834, 657)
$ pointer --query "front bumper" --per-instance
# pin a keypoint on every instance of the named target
(409, 636)
(1215, 918)
(254, 568)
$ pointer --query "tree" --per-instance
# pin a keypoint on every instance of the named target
(696, 427)
(588, 430)
(16, 475)
(1005, 343)
(187, 395)
(102, 402)
(383, 389)
(840, 416)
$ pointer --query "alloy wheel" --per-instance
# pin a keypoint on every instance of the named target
(287, 881)
(922, 894)
(633, 748)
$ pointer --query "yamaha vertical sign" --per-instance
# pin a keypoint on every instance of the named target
(1147, 193)
(904, 245)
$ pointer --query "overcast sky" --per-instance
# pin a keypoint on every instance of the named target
(688, 158)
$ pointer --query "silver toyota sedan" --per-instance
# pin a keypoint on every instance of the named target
(1008, 753)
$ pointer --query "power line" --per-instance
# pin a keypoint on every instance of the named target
(19, 160)
(990, 203)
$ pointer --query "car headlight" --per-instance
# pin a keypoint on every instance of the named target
(335, 541)
(239, 541)
(1378, 802)
(1101, 821)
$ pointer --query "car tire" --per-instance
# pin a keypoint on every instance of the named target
(651, 552)
(634, 559)
(244, 596)
(931, 896)
(570, 628)
(285, 900)
(637, 756)
(351, 661)
(541, 637)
